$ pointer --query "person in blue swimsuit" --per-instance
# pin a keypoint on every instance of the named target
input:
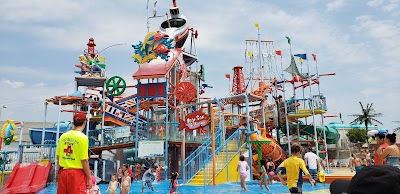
(264, 175)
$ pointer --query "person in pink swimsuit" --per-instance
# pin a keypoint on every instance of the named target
(174, 183)
(242, 168)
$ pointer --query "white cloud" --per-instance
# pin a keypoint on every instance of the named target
(12, 84)
(39, 85)
(335, 5)
(375, 3)
(43, 74)
(391, 6)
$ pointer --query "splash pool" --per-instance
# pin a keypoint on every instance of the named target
(232, 188)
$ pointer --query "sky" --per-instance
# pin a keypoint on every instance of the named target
(40, 41)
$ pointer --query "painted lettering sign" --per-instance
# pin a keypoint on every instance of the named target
(194, 121)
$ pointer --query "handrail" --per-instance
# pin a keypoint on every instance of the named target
(195, 161)
(203, 146)
(226, 164)
(235, 134)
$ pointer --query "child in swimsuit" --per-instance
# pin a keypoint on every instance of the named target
(174, 183)
(95, 189)
(138, 171)
(148, 178)
(270, 170)
(120, 175)
(242, 168)
(113, 185)
(264, 175)
(126, 183)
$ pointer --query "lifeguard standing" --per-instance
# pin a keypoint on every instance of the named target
(72, 156)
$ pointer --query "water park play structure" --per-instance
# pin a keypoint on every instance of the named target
(165, 116)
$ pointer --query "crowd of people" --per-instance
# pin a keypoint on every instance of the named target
(294, 167)
(377, 173)
(387, 152)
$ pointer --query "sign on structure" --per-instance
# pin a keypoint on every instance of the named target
(151, 149)
(122, 132)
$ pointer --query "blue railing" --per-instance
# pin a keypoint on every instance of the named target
(199, 158)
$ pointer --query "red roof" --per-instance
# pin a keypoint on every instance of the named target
(157, 68)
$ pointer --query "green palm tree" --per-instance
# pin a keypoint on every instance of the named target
(366, 117)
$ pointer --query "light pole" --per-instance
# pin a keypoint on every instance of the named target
(1, 108)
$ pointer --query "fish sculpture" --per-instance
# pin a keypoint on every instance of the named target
(7, 132)
(92, 66)
(155, 44)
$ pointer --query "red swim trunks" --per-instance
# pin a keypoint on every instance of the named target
(71, 181)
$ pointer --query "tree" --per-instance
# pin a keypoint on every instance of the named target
(357, 135)
(366, 117)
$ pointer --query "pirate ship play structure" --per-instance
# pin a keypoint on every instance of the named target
(165, 116)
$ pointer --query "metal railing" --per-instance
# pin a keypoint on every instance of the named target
(149, 131)
(157, 130)
(8, 159)
(320, 102)
(29, 153)
(224, 154)
(26, 154)
(199, 158)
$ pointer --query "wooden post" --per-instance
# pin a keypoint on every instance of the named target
(212, 143)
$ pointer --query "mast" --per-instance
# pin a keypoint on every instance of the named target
(312, 110)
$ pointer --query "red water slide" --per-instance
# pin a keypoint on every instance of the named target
(27, 179)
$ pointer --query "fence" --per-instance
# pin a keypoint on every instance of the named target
(26, 154)
(149, 131)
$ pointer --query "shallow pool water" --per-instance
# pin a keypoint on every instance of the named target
(164, 187)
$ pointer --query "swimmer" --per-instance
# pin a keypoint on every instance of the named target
(242, 168)
(126, 183)
(113, 185)
(174, 183)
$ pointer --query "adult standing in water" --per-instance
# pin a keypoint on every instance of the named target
(392, 152)
(312, 162)
(294, 167)
(72, 157)
(380, 140)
